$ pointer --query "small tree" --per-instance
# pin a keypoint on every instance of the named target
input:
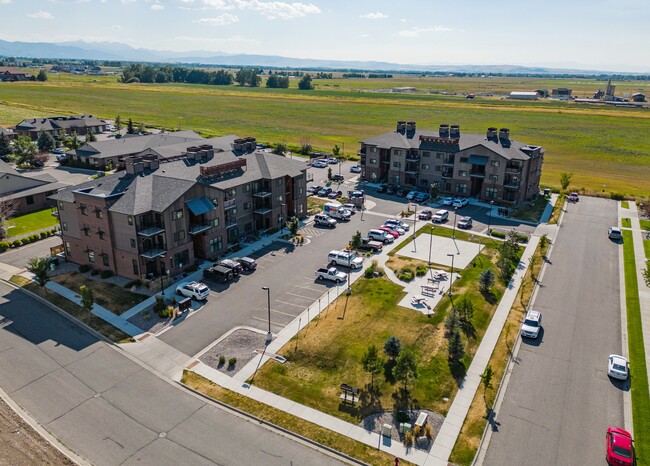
(646, 274)
(452, 322)
(356, 242)
(5, 148)
(465, 309)
(42, 76)
(279, 149)
(45, 142)
(141, 128)
(74, 141)
(87, 298)
(329, 173)
(406, 367)
(24, 151)
(129, 127)
(305, 83)
(393, 347)
(305, 148)
(456, 348)
(486, 380)
(40, 267)
(486, 280)
(372, 363)
(434, 190)
(565, 180)
(118, 123)
(293, 225)
(544, 242)
(7, 209)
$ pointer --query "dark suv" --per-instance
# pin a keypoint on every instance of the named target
(218, 273)
(247, 263)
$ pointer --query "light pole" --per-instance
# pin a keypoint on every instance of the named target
(363, 199)
(415, 216)
(451, 280)
(284, 221)
(162, 272)
(490, 216)
(269, 335)
(453, 232)
(349, 290)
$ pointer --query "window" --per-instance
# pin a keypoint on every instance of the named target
(129, 220)
(215, 201)
(397, 152)
(397, 164)
(494, 177)
(64, 225)
(132, 240)
(439, 155)
(300, 209)
(495, 163)
(426, 153)
(247, 205)
(278, 182)
(461, 188)
(99, 213)
(29, 200)
(280, 198)
(215, 222)
(68, 249)
(247, 187)
(372, 150)
(91, 256)
(181, 259)
(177, 214)
(301, 190)
(491, 193)
(105, 260)
(216, 244)
(463, 160)
(438, 168)
(61, 205)
(134, 263)
(462, 172)
(396, 179)
(179, 235)
(424, 166)
(86, 230)
(373, 162)
(101, 234)
(84, 209)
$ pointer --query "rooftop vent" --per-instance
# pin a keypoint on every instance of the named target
(444, 131)
(401, 127)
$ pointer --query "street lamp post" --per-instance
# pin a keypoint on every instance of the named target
(451, 280)
(363, 199)
(490, 216)
(415, 216)
(431, 242)
(269, 335)
(453, 233)
(284, 220)
(162, 273)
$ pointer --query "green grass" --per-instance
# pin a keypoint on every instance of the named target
(625, 204)
(646, 248)
(626, 223)
(645, 224)
(608, 149)
(531, 213)
(34, 221)
(557, 210)
(638, 369)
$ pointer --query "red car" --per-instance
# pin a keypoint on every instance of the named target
(390, 231)
(620, 447)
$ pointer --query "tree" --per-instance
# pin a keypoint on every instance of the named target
(452, 322)
(329, 173)
(129, 127)
(5, 147)
(7, 209)
(393, 347)
(25, 151)
(118, 123)
(646, 274)
(565, 180)
(486, 280)
(45, 142)
(42, 76)
(279, 149)
(508, 255)
(356, 242)
(305, 83)
(87, 298)
(456, 348)
(305, 147)
(486, 380)
(40, 267)
(406, 367)
(465, 309)
(372, 363)
(141, 129)
(293, 225)
(74, 141)
(90, 137)
(434, 191)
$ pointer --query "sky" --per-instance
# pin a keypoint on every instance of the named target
(610, 35)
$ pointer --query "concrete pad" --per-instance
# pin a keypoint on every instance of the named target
(102, 432)
(445, 441)
(464, 251)
(150, 401)
(162, 452)
(17, 374)
(52, 395)
(115, 368)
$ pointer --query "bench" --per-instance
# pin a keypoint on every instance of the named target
(427, 289)
(422, 420)
(348, 393)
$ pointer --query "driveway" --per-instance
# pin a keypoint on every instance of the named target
(112, 411)
(20, 256)
(559, 401)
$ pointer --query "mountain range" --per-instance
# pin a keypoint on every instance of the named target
(117, 51)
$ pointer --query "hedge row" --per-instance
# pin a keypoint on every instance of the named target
(4, 245)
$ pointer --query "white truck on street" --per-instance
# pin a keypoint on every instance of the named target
(331, 274)
(336, 210)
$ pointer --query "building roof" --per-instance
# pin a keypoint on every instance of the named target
(59, 122)
(5, 169)
(510, 149)
(133, 144)
(26, 185)
(6, 132)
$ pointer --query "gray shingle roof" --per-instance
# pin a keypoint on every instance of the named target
(134, 144)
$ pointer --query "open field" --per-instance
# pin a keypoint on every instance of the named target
(605, 147)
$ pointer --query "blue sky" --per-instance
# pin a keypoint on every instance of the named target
(594, 34)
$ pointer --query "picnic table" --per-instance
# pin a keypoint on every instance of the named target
(348, 393)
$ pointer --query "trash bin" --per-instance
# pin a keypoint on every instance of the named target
(547, 192)
(184, 305)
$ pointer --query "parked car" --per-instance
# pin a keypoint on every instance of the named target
(355, 169)
(335, 194)
(617, 367)
(532, 324)
(620, 447)
(425, 215)
(319, 164)
(448, 200)
(465, 223)
(194, 290)
(380, 235)
(390, 231)
(324, 192)
(368, 244)
(382, 189)
(333, 161)
(459, 203)
(411, 195)
(58, 151)
(421, 197)
(391, 189)
(338, 177)
(324, 220)
(314, 189)
(615, 233)
(394, 228)
(247, 263)
(440, 216)
(61, 157)
(573, 197)
(235, 266)
(218, 273)
(351, 207)
(398, 223)
(345, 258)
(401, 192)
(331, 273)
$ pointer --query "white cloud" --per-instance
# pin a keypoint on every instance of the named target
(416, 31)
(377, 15)
(364, 35)
(272, 10)
(221, 20)
(126, 2)
(5, 2)
(403, 20)
(41, 14)
(117, 27)
(211, 4)
(157, 7)
(217, 41)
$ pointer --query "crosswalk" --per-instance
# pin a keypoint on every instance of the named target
(311, 232)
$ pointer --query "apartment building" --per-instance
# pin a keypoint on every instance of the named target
(160, 214)
(59, 125)
(488, 167)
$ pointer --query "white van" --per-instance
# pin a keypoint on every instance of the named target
(380, 235)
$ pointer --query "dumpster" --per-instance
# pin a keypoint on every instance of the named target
(184, 305)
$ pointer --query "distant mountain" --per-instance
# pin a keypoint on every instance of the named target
(122, 52)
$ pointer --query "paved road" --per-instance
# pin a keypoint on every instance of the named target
(110, 410)
(19, 257)
(559, 401)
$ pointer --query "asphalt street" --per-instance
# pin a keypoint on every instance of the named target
(111, 411)
(19, 257)
(560, 401)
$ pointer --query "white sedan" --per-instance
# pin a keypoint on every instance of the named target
(194, 290)
(617, 367)
(355, 169)
(448, 201)
(459, 203)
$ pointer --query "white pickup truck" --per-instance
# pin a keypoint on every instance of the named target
(331, 274)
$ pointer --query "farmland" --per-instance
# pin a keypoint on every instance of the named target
(605, 147)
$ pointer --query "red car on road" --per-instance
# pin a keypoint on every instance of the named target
(620, 447)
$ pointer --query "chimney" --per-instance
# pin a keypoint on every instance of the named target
(444, 131)
(128, 163)
(239, 145)
(154, 164)
(410, 129)
(454, 131)
(504, 133)
(491, 133)
(401, 127)
(251, 144)
(138, 167)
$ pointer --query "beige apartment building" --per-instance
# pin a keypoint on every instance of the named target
(487, 167)
(162, 213)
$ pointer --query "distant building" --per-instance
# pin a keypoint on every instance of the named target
(561, 92)
(26, 194)
(7, 132)
(519, 95)
(638, 97)
(403, 89)
(60, 125)
(13, 74)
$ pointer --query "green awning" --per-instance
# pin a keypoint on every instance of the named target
(478, 160)
(200, 206)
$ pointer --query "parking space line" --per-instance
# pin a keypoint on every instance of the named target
(284, 313)
(307, 288)
(290, 304)
(267, 320)
(300, 296)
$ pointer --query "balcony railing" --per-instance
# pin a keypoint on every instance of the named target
(512, 184)
(261, 194)
(151, 230)
(413, 158)
(199, 228)
(447, 175)
(477, 174)
(230, 204)
(513, 169)
(263, 210)
(152, 253)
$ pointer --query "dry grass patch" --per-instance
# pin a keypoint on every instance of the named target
(114, 298)
(557, 210)
(94, 322)
(283, 419)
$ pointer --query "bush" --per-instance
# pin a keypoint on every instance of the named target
(17, 243)
(408, 439)
(617, 196)
(406, 274)
(497, 234)
(94, 272)
(232, 362)
(421, 270)
(43, 234)
(53, 231)
(4, 246)
(83, 268)
(222, 360)
(35, 237)
(106, 273)
(132, 283)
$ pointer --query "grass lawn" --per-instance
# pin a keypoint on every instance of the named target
(626, 223)
(646, 248)
(100, 325)
(625, 204)
(638, 369)
(315, 205)
(328, 351)
(283, 419)
(34, 221)
(112, 297)
(531, 212)
(557, 210)
(645, 224)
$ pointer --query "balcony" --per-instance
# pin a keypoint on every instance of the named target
(230, 204)
(262, 210)
(261, 194)
(152, 253)
(199, 228)
(412, 158)
(511, 184)
(477, 173)
(411, 170)
(448, 163)
(231, 222)
(514, 170)
(151, 230)
(447, 175)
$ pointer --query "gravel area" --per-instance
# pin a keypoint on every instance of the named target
(148, 321)
(374, 422)
(240, 344)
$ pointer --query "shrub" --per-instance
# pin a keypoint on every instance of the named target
(428, 431)
(4, 246)
(53, 231)
(83, 268)
(232, 362)
(94, 272)
(421, 270)
(497, 234)
(146, 315)
(408, 439)
(617, 196)
(406, 274)
(402, 416)
(17, 243)
(43, 234)
(222, 360)
(159, 307)
(35, 237)
(106, 273)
